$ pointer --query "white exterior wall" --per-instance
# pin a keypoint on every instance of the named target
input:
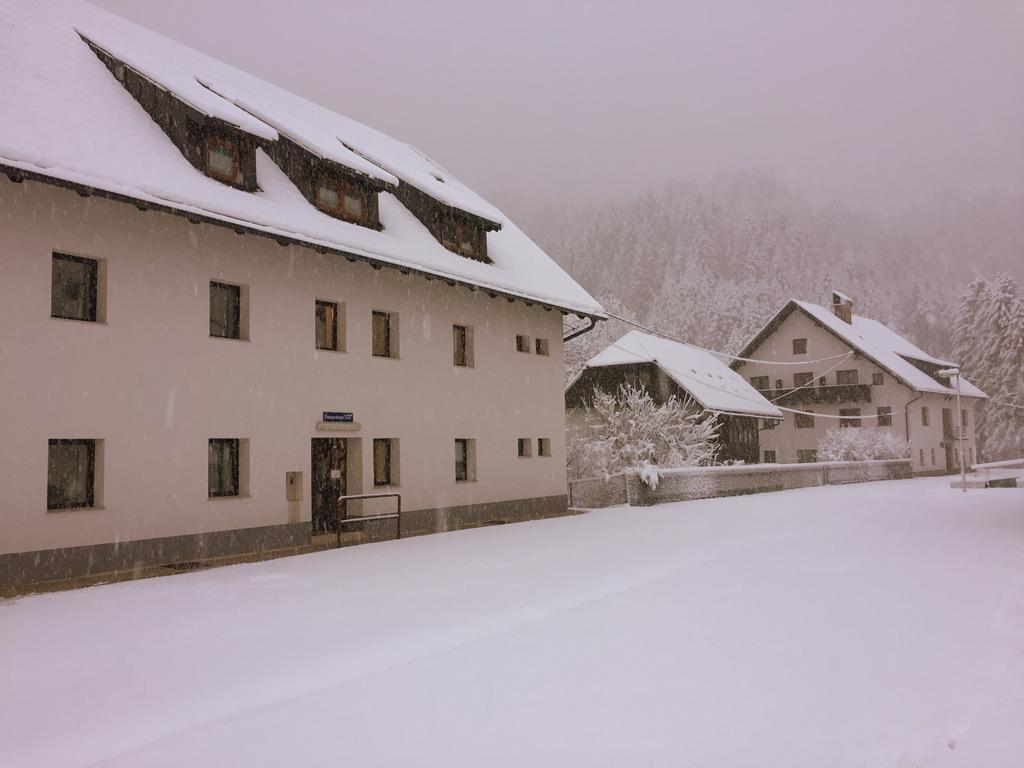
(786, 439)
(154, 386)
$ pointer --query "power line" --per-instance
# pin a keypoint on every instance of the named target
(719, 352)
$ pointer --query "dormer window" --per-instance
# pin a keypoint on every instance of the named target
(223, 161)
(342, 200)
(463, 238)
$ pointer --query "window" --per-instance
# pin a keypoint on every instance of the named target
(223, 161)
(465, 460)
(384, 461)
(849, 417)
(769, 457)
(385, 334)
(768, 423)
(462, 346)
(970, 454)
(342, 200)
(925, 421)
(878, 379)
(963, 417)
(330, 329)
(541, 346)
(73, 288)
(822, 381)
(543, 446)
(802, 379)
(71, 474)
(465, 238)
(803, 420)
(920, 452)
(223, 467)
(225, 310)
(760, 382)
(779, 384)
(525, 447)
(933, 456)
(846, 378)
(799, 346)
(884, 416)
(522, 343)
(806, 456)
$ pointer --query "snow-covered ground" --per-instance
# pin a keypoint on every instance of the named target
(871, 625)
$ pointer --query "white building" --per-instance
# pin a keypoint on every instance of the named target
(859, 374)
(665, 369)
(222, 307)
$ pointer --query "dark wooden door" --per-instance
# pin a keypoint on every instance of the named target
(328, 463)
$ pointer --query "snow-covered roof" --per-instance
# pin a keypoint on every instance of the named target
(880, 343)
(67, 119)
(708, 380)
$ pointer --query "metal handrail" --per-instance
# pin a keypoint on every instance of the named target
(397, 516)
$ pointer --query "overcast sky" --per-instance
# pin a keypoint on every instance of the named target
(872, 103)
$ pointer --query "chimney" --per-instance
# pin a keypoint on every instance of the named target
(842, 306)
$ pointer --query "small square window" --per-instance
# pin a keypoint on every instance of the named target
(806, 456)
(522, 343)
(878, 379)
(849, 417)
(799, 346)
(760, 382)
(225, 310)
(223, 161)
(354, 205)
(846, 378)
(525, 447)
(462, 346)
(74, 288)
(384, 461)
(330, 327)
(385, 334)
(543, 446)
(769, 457)
(223, 475)
(803, 379)
(803, 420)
(71, 474)
(541, 347)
(885, 416)
(342, 199)
(465, 460)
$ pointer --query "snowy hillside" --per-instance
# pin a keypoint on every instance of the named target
(871, 625)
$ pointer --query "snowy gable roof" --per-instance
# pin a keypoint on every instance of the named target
(67, 120)
(708, 380)
(878, 342)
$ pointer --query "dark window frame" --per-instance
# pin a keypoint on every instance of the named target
(770, 457)
(383, 476)
(761, 383)
(884, 415)
(544, 447)
(462, 469)
(460, 346)
(523, 447)
(387, 336)
(89, 499)
(330, 312)
(877, 379)
(213, 139)
(234, 486)
(803, 421)
(799, 346)
(803, 379)
(233, 322)
(91, 286)
(341, 188)
(541, 347)
(850, 375)
(522, 343)
(926, 420)
(806, 455)
(849, 417)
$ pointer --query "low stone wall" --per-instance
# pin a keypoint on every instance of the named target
(707, 482)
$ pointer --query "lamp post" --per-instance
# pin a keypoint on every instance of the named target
(947, 373)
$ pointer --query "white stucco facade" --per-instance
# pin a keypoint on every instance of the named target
(154, 387)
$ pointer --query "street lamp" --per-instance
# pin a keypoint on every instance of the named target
(948, 373)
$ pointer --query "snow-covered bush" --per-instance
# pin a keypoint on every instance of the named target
(630, 430)
(861, 444)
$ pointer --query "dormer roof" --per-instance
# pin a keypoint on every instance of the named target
(68, 122)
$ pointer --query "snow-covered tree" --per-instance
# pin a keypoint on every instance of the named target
(862, 444)
(629, 429)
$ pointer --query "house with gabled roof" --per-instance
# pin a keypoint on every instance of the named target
(859, 374)
(225, 307)
(666, 368)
